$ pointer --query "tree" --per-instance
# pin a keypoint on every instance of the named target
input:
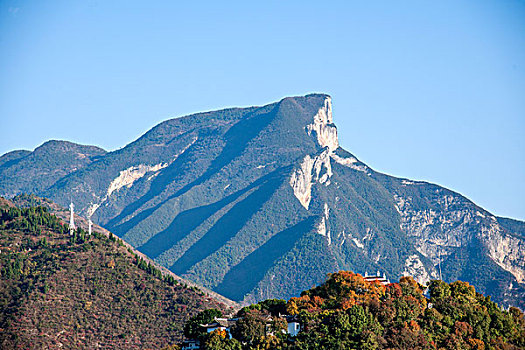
(251, 328)
(193, 329)
(218, 340)
(274, 306)
(346, 312)
(439, 290)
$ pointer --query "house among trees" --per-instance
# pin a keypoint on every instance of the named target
(293, 324)
(191, 344)
(222, 324)
(350, 311)
(292, 327)
(377, 278)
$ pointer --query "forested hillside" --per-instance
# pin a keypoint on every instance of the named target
(83, 291)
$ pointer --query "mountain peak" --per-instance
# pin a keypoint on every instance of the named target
(67, 146)
(323, 126)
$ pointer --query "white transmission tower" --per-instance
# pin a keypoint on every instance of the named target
(72, 226)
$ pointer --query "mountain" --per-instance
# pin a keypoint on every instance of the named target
(262, 202)
(82, 291)
(29, 172)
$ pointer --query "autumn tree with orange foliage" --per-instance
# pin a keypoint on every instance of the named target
(341, 291)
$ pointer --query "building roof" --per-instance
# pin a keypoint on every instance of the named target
(290, 318)
(220, 322)
(377, 278)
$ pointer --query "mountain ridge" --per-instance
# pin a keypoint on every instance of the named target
(209, 195)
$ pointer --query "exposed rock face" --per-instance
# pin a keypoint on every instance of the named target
(414, 267)
(301, 181)
(130, 175)
(449, 226)
(433, 230)
(438, 232)
(322, 228)
(126, 178)
(350, 162)
(323, 127)
(316, 167)
(262, 202)
(506, 250)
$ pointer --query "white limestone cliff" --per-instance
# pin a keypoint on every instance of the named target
(323, 126)
(415, 268)
(126, 178)
(322, 167)
(130, 175)
(310, 170)
(350, 163)
(301, 181)
(437, 233)
(506, 250)
(318, 167)
(322, 227)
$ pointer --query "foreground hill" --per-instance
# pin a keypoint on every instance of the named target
(347, 312)
(62, 291)
(262, 202)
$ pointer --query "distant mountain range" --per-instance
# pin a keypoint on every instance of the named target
(262, 202)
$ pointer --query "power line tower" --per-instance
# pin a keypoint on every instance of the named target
(72, 226)
(439, 263)
(90, 223)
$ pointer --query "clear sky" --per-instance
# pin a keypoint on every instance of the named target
(428, 90)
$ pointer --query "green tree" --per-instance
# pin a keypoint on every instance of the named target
(192, 328)
(251, 328)
(218, 340)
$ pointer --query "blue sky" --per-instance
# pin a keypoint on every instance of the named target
(428, 90)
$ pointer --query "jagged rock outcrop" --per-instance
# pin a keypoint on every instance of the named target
(262, 202)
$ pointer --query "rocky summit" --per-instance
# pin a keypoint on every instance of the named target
(262, 202)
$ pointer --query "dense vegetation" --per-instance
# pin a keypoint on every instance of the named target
(83, 291)
(346, 312)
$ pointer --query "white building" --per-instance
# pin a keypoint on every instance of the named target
(222, 324)
(377, 278)
(294, 327)
(191, 344)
